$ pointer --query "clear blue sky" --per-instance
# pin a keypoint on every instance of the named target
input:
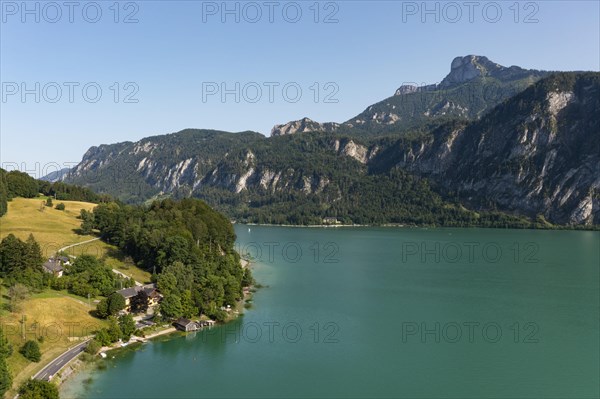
(177, 48)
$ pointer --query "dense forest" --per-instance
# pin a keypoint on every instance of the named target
(185, 244)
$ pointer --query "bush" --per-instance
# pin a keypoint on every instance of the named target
(220, 316)
(60, 207)
(31, 351)
(93, 347)
(49, 202)
(36, 389)
(103, 337)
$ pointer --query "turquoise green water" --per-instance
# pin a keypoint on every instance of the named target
(389, 312)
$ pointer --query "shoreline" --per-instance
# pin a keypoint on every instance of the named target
(78, 365)
(593, 228)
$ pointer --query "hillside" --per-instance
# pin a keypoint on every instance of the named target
(59, 317)
(473, 86)
(52, 228)
(507, 166)
(536, 154)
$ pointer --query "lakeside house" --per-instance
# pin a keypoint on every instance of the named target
(183, 324)
(331, 220)
(186, 325)
(154, 297)
(206, 323)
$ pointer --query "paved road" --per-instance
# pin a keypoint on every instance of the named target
(57, 364)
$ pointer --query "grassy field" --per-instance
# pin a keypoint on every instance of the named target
(115, 261)
(52, 228)
(60, 318)
(55, 229)
(57, 316)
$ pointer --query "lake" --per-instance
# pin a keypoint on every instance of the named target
(388, 312)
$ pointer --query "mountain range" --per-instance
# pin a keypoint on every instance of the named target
(489, 145)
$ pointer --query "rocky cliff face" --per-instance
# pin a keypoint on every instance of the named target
(539, 154)
(535, 154)
(473, 86)
(470, 67)
(303, 126)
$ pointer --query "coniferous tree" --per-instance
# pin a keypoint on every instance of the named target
(5, 377)
(34, 257)
(31, 351)
(6, 348)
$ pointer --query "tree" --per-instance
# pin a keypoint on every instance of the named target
(116, 303)
(87, 223)
(139, 303)
(184, 275)
(103, 337)
(127, 326)
(90, 275)
(93, 346)
(37, 389)
(49, 202)
(219, 315)
(17, 294)
(33, 255)
(167, 283)
(6, 348)
(60, 207)
(211, 294)
(102, 309)
(171, 307)
(114, 330)
(3, 193)
(5, 377)
(31, 351)
(20, 184)
(247, 279)
(21, 261)
(188, 308)
(110, 306)
(11, 254)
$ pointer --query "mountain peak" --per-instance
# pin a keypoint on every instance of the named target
(302, 126)
(470, 67)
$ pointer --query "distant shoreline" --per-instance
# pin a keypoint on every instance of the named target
(318, 225)
(412, 226)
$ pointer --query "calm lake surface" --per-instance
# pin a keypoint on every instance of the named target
(388, 312)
